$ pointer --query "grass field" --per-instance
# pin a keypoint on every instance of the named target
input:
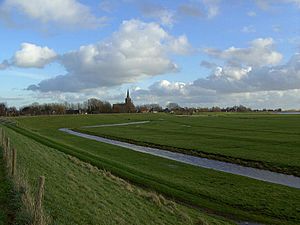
(78, 193)
(265, 141)
(233, 195)
(260, 140)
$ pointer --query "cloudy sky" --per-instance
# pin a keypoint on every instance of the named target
(193, 52)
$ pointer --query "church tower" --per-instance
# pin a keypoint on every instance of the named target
(127, 107)
(127, 99)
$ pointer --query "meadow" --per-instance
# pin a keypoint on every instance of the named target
(268, 141)
(79, 193)
(234, 196)
(264, 141)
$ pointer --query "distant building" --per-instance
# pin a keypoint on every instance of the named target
(73, 111)
(127, 107)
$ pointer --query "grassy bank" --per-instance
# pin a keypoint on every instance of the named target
(6, 189)
(11, 207)
(78, 193)
(223, 193)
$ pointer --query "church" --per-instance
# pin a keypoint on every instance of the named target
(127, 107)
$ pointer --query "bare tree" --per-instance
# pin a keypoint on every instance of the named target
(3, 109)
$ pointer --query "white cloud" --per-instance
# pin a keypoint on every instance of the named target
(69, 13)
(251, 69)
(135, 51)
(191, 94)
(195, 94)
(260, 53)
(164, 87)
(180, 45)
(32, 55)
(185, 95)
(230, 72)
(266, 78)
(242, 80)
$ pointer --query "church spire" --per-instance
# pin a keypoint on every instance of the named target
(127, 99)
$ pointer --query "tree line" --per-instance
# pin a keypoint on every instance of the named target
(96, 106)
(92, 106)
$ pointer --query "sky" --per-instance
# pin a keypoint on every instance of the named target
(197, 53)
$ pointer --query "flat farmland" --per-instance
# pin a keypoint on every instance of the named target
(239, 197)
(258, 140)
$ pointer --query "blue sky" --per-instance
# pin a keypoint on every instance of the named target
(195, 52)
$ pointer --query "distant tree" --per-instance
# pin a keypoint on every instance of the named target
(3, 109)
(26, 111)
(203, 109)
(173, 106)
(215, 109)
(155, 107)
(149, 108)
(94, 105)
(12, 111)
(58, 109)
(106, 107)
(97, 106)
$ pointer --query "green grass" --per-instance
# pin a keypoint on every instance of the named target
(267, 141)
(5, 188)
(260, 140)
(9, 198)
(224, 193)
(78, 193)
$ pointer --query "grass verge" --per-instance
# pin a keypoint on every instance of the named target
(78, 193)
(227, 194)
(7, 210)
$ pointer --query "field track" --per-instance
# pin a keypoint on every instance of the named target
(117, 124)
